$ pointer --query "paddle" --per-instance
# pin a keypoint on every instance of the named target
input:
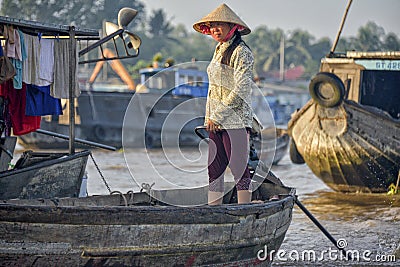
(85, 142)
(271, 177)
(311, 217)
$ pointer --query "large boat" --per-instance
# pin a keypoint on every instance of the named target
(101, 110)
(348, 133)
(139, 229)
(180, 91)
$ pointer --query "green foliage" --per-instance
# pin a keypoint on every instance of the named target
(159, 25)
(133, 69)
(179, 44)
(82, 13)
(158, 57)
(391, 42)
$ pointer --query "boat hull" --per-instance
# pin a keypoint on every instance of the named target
(44, 175)
(77, 234)
(350, 147)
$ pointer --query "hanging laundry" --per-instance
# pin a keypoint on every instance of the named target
(21, 123)
(18, 64)
(17, 80)
(23, 47)
(38, 68)
(39, 102)
(8, 33)
(30, 67)
(7, 70)
(13, 45)
(60, 87)
(46, 62)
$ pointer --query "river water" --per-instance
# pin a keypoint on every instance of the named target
(366, 225)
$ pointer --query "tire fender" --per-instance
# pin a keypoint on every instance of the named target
(327, 89)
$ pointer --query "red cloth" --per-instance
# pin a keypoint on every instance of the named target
(16, 98)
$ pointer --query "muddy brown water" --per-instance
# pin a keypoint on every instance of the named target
(366, 225)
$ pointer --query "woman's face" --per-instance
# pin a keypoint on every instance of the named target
(219, 30)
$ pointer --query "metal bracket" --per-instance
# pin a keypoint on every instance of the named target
(99, 43)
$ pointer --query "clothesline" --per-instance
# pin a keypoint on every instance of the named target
(42, 62)
(42, 66)
(2, 38)
(48, 28)
(71, 35)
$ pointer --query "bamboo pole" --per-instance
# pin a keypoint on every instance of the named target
(340, 28)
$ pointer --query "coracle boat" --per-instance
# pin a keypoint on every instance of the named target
(140, 229)
(348, 133)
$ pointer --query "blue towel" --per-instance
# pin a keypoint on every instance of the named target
(39, 102)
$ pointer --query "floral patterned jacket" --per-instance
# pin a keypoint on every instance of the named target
(230, 87)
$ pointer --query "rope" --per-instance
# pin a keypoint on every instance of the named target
(101, 174)
(130, 193)
(122, 195)
(147, 189)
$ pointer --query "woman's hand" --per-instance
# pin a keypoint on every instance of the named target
(212, 126)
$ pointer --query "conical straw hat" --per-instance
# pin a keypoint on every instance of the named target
(223, 14)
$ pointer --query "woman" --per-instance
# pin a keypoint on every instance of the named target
(228, 110)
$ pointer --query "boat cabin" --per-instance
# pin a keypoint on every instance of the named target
(182, 81)
(370, 78)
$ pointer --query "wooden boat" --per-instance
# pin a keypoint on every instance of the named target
(348, 134)
(281, 148)
(44, 175)
(139, 229)
(96, 124)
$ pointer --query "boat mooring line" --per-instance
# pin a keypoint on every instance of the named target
(121, 195)
(101, 174)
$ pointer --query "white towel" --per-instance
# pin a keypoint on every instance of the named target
(46, 62)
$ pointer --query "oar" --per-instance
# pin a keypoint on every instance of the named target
(312, 218)
(85, 142)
